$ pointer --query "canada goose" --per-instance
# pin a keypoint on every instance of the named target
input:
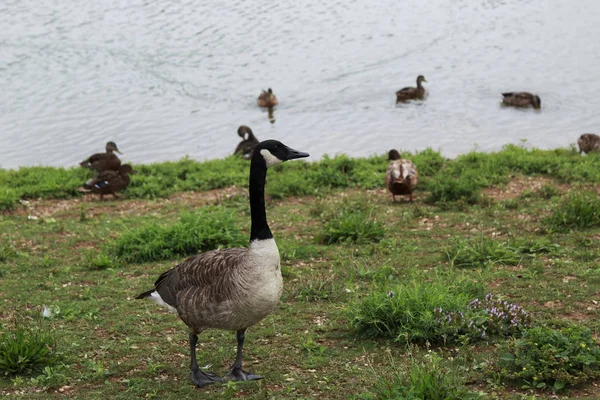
(521, 99)
(109, 182)
(401, 176)
(103, 161)
(246, 146)
(230, 289)
(409, 93)
(589, 142)
(267, 99)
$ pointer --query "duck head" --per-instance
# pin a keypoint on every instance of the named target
(394, 155)
(112, 146)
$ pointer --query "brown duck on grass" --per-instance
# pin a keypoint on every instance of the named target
(109, 182)
(401, 176)
(101, 162)
(410, 93)
(267, 99)
(589, 142)
(521, 100)
(246, 147)
(230, 289)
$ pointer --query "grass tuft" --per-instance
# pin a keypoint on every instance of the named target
(424, 379)
(25, 351)
(481, 252)
(195, 232)
(579, 210)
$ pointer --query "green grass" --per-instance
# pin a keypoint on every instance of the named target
(25, 351)
(207, 229)
(347, 308)
(422, 379)
(579, 210)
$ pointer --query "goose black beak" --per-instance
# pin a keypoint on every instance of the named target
(293, 154)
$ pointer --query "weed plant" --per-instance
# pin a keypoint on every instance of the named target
(25, 351)
(551, 358)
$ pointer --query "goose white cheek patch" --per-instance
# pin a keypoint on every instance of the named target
(270, 159)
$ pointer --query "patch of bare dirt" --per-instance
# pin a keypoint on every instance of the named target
(92, 206)
(519, 185)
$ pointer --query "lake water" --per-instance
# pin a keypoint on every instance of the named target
(168, 78)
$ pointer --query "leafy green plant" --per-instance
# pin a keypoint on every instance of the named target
(481, 252)
(551, 358)
(24, 351)
(206, 229)
(580, 210)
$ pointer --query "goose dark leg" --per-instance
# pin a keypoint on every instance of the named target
(198, 377)
(236, 373)
(411, 198)
(115, 195)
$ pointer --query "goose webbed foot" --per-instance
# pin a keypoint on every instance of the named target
(202, 379)
(238, 374)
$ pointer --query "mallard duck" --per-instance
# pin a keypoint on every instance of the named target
(230, 289)
(101, 162)
(589, 142)
(409, 93)
(521, 99)
(401, 176)
(267, 99)
(109, 182)
(246, 147)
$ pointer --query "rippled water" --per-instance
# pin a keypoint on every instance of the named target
(170, 78)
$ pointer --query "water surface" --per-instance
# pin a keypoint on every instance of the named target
(170, 78)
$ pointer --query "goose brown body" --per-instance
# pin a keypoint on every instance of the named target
(267, 99)
(229, 289)
(101, 162)
(588, 142)
(521, 99)
(245, 148)
(401, 176)
(410, 93)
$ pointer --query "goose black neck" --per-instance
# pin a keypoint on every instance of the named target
(258, 174)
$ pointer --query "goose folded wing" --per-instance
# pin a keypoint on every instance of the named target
(214, 271)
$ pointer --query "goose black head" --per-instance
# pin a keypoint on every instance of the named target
(112, 146)
(394, 155)
(421, 78)
(274, 152)
(537, 102)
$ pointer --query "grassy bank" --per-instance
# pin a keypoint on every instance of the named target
(487, 286)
